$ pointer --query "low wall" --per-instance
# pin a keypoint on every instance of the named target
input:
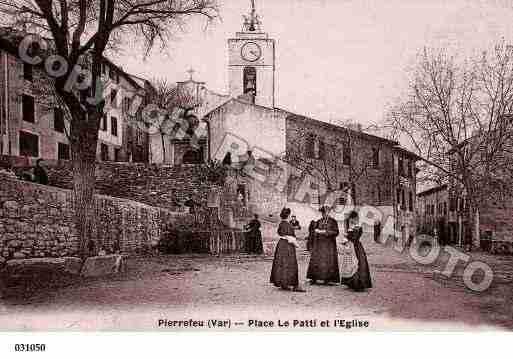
(36, 221)
(155, 185)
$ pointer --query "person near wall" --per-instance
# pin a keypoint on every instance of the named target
(254, 236)
(311, 235)
(40, 175)
(361, 280)
(324, 259)
(227, 160)
(284, 272)
(8, 172)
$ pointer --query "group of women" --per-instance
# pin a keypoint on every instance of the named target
(322, 243)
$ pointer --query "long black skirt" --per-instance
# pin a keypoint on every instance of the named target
(324, 261)
(254, 242)
(361, 279)
(284, 272)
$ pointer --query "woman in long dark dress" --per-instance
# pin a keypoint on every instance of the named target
(284, 272)
(324, 259)
(361, 280)
(254, 237)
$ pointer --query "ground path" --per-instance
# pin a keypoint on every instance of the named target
(405, 296)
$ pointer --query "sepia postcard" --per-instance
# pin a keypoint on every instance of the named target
(331, 166)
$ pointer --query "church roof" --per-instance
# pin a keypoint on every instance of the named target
(326, 125)
(338, 128)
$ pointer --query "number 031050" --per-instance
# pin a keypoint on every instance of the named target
(29, 347)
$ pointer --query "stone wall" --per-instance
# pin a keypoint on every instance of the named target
(155, 185)
(36, 221)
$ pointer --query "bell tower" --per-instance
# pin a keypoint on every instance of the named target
(251, 62)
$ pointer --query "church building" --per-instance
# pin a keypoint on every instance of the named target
(322, 159)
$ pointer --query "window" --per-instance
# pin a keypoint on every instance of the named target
(125, 105)
(398, 196)
(400, 166)
(250, 85)
(445, 208)
(28, 72)
(104, 152)
(63, 152)
(29, 144)
(117, 155)
(409, 173)
(410, 202)
(28, 108)
(403, 200)
(453, 204)
(58, 120)
(322, 149)
(113, 96)
(343, 186)
(346, 155)
(104, 122)
(114, 126)
(310, 145)
(112, 74)
(375, 157)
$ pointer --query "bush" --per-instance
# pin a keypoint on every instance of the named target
(213, 172)
(180, 237)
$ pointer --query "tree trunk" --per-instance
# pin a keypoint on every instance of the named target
(163, 148)
(84, 179)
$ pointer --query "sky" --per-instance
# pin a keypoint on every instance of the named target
(336, 59)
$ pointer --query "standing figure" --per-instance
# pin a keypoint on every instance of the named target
(311, 235)
(254, 236)
(361, 280)
(284, 272)
(227, 160)
(324, 259)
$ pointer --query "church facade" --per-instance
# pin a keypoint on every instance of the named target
(295, 160)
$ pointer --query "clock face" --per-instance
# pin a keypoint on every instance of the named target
(251, 52)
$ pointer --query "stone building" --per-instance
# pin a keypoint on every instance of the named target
(491, 227)
(34, 125)
(437, 213)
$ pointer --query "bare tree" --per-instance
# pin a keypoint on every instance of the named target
(178, 105)
(329, 161)
(456, 117)
(81, 31)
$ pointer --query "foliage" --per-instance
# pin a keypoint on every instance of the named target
(457, 116)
